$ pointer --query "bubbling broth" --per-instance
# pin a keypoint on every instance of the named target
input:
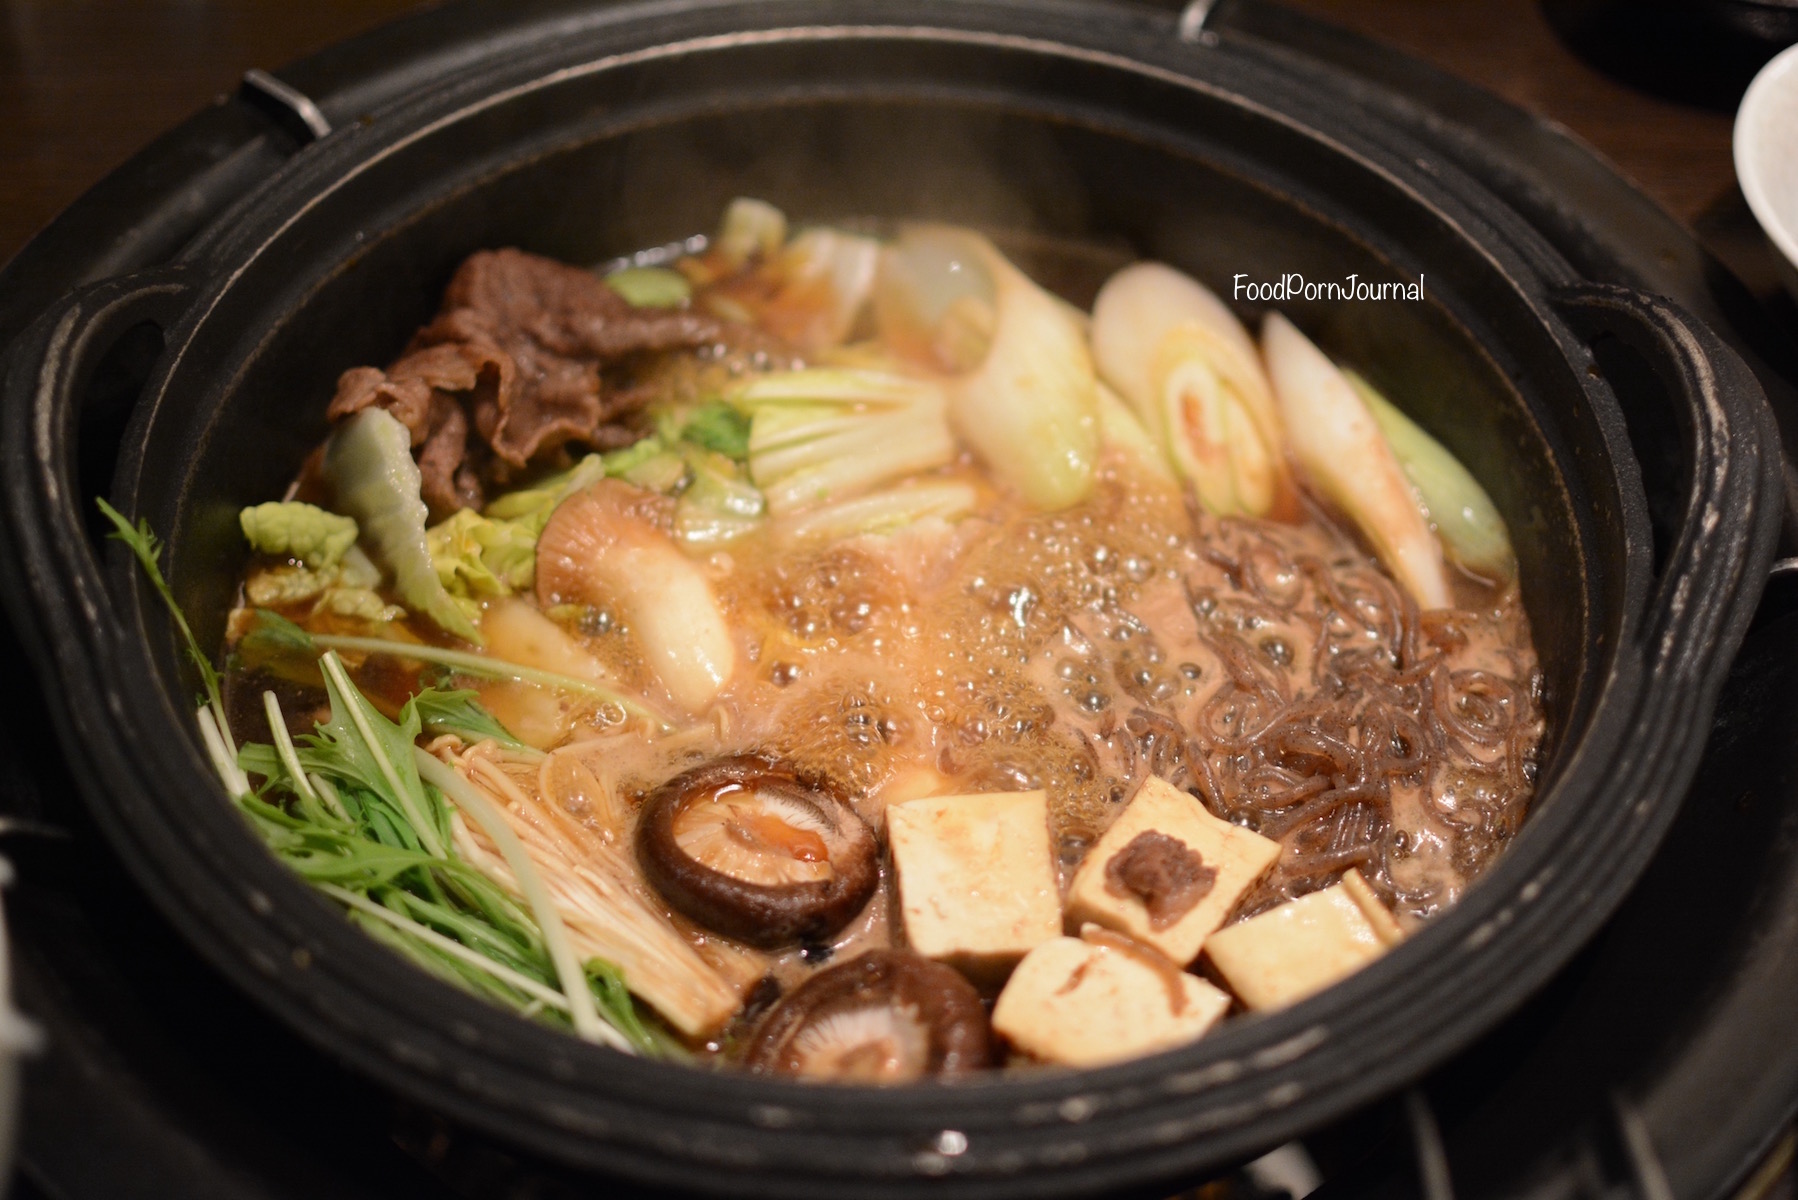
(883, 668)
(1273, 669)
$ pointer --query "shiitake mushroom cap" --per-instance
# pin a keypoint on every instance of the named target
(758, 912)
(928, 1007)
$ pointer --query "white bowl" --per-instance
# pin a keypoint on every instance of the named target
(1766, 151)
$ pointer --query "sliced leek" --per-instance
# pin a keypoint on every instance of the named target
(1466, 520)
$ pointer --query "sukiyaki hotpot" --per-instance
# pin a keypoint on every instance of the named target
(879, 600)
(799, 615)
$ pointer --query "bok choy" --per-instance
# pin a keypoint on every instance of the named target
(826, 434)
(887, 511)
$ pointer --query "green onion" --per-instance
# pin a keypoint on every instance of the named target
(651, 287)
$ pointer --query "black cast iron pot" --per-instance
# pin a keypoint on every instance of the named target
(1074, 123)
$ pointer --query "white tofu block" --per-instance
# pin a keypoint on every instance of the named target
(1239, 856)
(1385, 925)
(1084, 1004)
(1304, 945)
(977, 884)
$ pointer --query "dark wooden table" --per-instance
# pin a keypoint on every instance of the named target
(1679, 154)
(83, 83)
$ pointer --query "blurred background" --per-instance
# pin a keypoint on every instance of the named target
(84, 83)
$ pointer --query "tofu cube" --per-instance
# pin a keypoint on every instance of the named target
(977, 885)
(1237, 855)
(1084, 1004)
(1304, 945)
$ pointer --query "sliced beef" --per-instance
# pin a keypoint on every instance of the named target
(513, 368)
(1166, 874)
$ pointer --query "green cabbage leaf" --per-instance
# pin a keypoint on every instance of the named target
(368, 464)
(291, 529)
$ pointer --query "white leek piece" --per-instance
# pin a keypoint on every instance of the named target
(1472, 532)
(1121, 431)
(1030, 406)
(934, 302)
(1184, 362)
(607, 546)
(1340, 448)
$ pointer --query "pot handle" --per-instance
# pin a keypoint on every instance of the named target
(50, 429)
(1731, 503)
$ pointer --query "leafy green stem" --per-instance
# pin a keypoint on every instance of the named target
(147, 548)
(485, 813)
(450, 946)
(345, 693)
(485, 667)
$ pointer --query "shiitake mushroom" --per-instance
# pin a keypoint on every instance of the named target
(887, 1016)
(750, 850)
